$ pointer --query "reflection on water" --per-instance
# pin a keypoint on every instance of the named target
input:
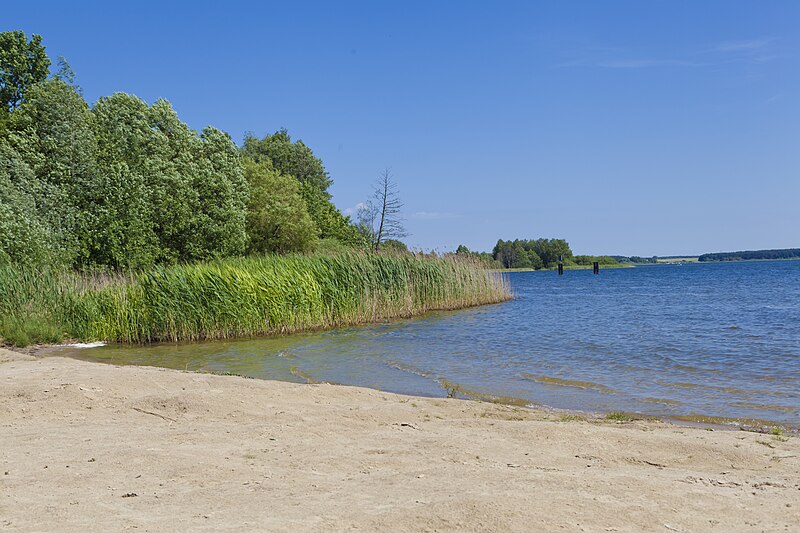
(693, 340)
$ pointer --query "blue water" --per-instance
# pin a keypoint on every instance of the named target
(698, 340)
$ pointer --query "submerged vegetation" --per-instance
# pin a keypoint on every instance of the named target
(235, 297)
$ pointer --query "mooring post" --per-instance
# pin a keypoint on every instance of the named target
(596, 267)
(560, 265)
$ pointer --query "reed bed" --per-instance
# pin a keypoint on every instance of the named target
(237, 297)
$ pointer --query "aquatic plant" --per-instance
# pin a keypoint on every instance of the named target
(251, 296)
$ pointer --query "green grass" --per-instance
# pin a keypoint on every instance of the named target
(236, 297)
(619, 416)
(572, 418)
(777, 434)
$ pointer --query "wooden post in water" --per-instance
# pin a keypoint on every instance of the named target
(596, 267)
(560, 265)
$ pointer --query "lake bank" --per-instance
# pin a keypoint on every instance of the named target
(97, 446)
(699, 342)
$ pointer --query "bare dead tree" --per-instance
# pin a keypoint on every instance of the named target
(367, 215)
(383, 210)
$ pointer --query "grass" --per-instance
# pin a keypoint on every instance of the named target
(777, 434)
(252, 296)
(619, 416)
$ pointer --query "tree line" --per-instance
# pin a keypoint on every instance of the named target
(535, 254)
(126, 184)
(786, 253)
(635, 259)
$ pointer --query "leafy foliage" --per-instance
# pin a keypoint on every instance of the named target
(541, 253)
(394, 246)
(25, 238)
(277, 217)
(518, 254)
(484, 258)
(51, 132)
(588, 260)
(124, 184)
(292, 158)
(297, 160)
(330, 222)
(23, 64)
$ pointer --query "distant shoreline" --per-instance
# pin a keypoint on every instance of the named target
(664, 262)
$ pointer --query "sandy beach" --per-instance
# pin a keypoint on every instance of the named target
(94, 447)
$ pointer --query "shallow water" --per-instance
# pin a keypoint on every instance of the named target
(716, 339)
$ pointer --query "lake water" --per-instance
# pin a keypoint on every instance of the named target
(693, 340)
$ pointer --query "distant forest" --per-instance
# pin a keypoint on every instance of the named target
(786, 253)
(635, 259)
(535, 254)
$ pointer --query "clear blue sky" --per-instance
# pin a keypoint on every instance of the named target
(624, 127)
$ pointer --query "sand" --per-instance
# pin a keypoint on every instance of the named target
(94, 447)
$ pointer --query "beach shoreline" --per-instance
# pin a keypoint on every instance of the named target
(705, 421)
(88, 446)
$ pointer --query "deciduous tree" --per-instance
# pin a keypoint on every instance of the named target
(23, 64)
(277, 218)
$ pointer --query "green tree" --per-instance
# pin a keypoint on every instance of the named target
(521, 257)
(222, 196)
(194, 191)
(297, 160)
(24, 236)
(134, 203)
(549, 250)
(395, 246)
(52, 132)
(505, 253)
(277, 218)
(534, 260)
(330, 222)
(292, 158)
(23, 64)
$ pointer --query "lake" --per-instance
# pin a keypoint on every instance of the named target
(694, 340)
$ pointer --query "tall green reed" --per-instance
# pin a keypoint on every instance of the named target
(245, 297)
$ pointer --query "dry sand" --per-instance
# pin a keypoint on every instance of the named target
(93, 447)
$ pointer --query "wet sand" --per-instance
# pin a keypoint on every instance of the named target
(89, 446)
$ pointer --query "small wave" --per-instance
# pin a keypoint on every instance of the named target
(662, 401)
(767, 407)
(548, 380)
(403, 367)
(97, 344)
(454, 390)
(728, 390)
